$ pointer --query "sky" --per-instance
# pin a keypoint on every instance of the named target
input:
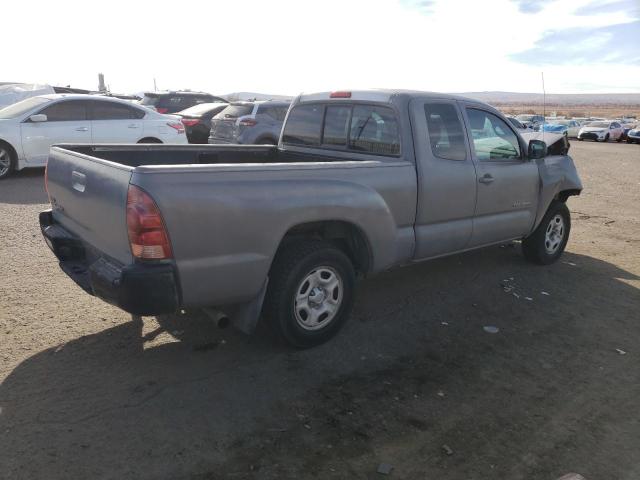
(286, 47)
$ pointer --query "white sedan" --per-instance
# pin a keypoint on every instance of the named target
(601, 131)
(28, 128)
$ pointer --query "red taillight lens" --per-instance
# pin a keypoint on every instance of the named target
(178, 126)
(46, 180)
(340, 95)
(147, 234)
(190, 122)
(247, 122)
(162, 110)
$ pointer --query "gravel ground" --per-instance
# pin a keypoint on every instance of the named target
(412, 381)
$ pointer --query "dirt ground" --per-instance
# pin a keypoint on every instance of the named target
(86, 393)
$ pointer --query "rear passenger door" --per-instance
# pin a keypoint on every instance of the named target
(115, 122)
(446, 178)
(508, 183)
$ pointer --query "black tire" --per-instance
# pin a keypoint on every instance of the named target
(606, 137)
(150, 140)
(580, 139)
(293, 265)
(266, 141)
(619, 139)
(7, 153)
(535, 246)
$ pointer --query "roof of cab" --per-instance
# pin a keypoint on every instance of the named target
(381, 95)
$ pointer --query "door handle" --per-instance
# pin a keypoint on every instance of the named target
(486, 179)
(133, 125)
(82, 129)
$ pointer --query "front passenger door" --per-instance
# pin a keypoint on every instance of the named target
(508, 183)
(67, 122)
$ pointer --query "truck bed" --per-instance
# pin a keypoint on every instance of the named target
(159, 154)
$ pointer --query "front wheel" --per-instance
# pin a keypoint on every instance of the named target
(606, 137)
(7, 161)
(310, 292)
(546, 244)
(619, 139)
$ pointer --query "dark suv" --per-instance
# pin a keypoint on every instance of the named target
(257, 122)
(171, 102)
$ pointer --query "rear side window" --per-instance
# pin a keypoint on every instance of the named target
(235, 111)
(114, 111)
(66, 111)
(445, 131)
(276, 113)
(304, 125)
(375, 130)
(336, 125)
(492, 138)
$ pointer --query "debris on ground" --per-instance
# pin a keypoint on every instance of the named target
(570, 263)
(490, 329)
(545, 293)
(447, 449)
(385, 468)
(620, 351)
(528, 298)
(58, 348)
(444, 323)
(572, 476)
(440, 393)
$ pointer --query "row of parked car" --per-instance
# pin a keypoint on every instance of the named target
(28, 128)
(597, 129)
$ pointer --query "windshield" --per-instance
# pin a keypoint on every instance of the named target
(22, 107)
(599, 124)
(525, 118)
(201, 108)
(235, 111)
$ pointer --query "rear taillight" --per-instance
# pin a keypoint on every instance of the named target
(162, 110)
(190, 122)
(46, 180)
(177, 126)
(147, 234)
(247, 122)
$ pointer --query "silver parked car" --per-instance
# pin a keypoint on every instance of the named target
(257, 122)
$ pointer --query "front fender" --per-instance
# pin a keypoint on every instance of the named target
(557, 174)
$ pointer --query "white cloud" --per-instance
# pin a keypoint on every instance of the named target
(287, 47)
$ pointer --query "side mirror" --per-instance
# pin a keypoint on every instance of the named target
(40, 117)
(537, 149)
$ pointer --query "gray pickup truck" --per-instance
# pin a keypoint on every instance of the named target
(360, 182)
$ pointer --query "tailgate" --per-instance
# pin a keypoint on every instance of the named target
(89, 198)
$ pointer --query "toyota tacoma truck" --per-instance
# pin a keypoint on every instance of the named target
(360, 181)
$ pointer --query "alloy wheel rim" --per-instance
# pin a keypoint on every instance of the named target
(318, 298)
(5, 161)
(554, 234)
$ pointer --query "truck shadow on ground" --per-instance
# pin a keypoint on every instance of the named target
(179, 398)
(25, 187)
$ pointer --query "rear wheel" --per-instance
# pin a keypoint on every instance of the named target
(7, 161)
(310, 292)
(546, 244)
(150, 140)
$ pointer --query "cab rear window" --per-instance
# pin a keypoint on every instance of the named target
(363, 128)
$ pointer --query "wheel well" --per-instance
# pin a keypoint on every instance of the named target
(150, 140)
(11, 149)
(563, 195)
(266, 137)
(346, 236)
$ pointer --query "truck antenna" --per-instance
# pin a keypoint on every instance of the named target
(544, 106)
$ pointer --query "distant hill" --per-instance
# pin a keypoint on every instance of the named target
(568, 99)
